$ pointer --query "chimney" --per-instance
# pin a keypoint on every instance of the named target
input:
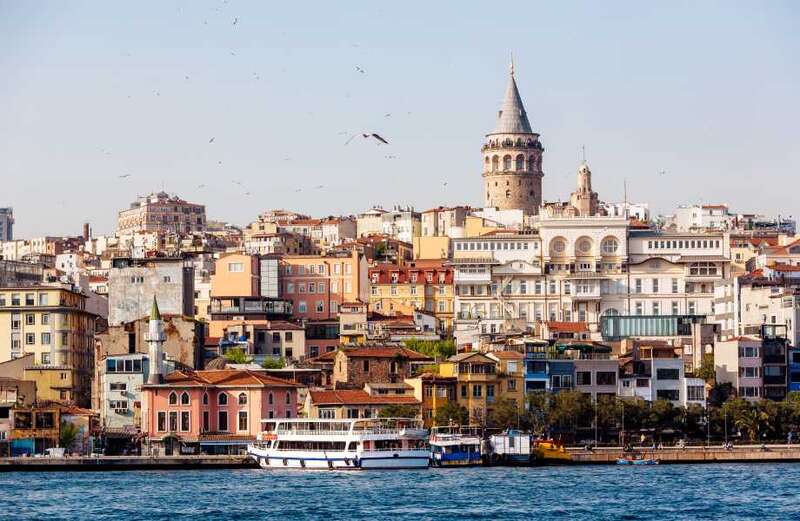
(155, 342)
(87, 234)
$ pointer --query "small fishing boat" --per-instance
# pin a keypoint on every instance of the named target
(637, 460)
(374, 443)
(511, 448)
(549, 452)
(454, 446)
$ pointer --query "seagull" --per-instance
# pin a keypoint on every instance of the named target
(319, 187)
(662, 172)
(124, 176)
(387, 115)
(376, 136)
(201, 186)
(299, 190)
(444, 184)
(219, 162)
(247, 193)
(359, 69)
(390, 157)
(212, 140)
(236, 182)
(235, 21)
(233, 53)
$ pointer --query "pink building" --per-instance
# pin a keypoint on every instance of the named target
(213, 411)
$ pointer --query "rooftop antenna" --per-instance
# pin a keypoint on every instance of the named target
(625, 196)
(583, 153)
(512, 63)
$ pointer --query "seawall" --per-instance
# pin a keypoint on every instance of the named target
(125, 463)
(718, 454)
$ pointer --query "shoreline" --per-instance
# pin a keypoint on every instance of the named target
(580, 456)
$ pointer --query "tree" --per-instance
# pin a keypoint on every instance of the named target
(438, 349)
(273, 363)
(451, 412)
(399, 411)
(749, 421)
(538, 408)
(707, 371)
(662, 416)
(505, 415)
(570, 409)
(69, 432)
(720, 393)
(236, 355)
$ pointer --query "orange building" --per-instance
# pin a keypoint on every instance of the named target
(318, 284)
(235, 275)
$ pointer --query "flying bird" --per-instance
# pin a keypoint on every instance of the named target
(212, 140)
(359, 69)
(299, 190)
(376, 136)
(124, 176)
(235, 21)
(390, 157)
(201, 186)
(662, 172)
(387, 115)
(319, 187)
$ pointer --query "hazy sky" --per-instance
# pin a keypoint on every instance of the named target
(89, 91)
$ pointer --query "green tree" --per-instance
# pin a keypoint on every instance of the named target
(69, 432)
(438, 349)
(749, 422)
(608, 414)
(707, 371)
(273, 363)
(236, 355)
(505, 415)
(451, 412)
(538, 408)
(399, 411)
(662, 416)
(570, 410)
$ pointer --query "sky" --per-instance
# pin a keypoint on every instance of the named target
(90, 91)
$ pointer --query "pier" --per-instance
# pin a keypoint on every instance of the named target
(87, 463)
(674, 455)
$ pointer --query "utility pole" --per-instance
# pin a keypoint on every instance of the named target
(726, 428)
(595, 421)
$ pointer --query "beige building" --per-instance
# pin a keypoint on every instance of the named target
(52, 323)
(163, 213)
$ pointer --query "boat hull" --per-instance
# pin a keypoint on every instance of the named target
(344, 460)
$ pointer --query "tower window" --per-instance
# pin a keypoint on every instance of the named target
(508, 194)
(506, 163)
(520, 163)
(495, 163)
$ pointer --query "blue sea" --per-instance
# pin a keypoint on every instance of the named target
(665, 492)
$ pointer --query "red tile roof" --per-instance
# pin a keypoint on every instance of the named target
(224, 378)
(358, 397)
(568, 327)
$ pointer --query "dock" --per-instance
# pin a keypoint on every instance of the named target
(102, 463)
(676, 455)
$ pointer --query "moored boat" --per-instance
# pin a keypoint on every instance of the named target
(637, 460)
(357, 444)
(549, 452)
(455, 446)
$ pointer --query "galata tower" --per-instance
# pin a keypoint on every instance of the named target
(512, 158)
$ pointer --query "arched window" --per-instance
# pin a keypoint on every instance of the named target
(583, 246)
(609, 245)
(393, 367)
(506, 163)
(173, 398)
(495, 163)
(184, 398)
(520, 166)
(242, 399)
(610, 312)
(205, 398)
(558, 246)
(222, 399)
(508, 194)
(288, 398)
(270, 400)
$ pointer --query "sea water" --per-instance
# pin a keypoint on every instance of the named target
(664, 492)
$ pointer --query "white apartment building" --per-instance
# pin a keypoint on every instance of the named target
(699, 217)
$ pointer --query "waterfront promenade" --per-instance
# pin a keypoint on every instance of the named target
(580, 456)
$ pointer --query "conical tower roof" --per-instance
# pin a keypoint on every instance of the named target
(155, 314)
(512, 118)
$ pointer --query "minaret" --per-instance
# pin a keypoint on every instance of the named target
(512, 157)
(583, 199)
(155, 342)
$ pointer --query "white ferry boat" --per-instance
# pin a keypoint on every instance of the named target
(455, 446)
(374, 443)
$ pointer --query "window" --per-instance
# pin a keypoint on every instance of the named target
(235, 267)
(675, 308)
(463, 391)
(692, 307)
(242, 399)
(30, 338)
(242, 420)
(288, 398)
(668, 394)
(302, 307)
(205, 398)
(320, 307)
(327, 414)
(667, 374)
(29, 299)
(365, 365)
(206, 422)
(674, 285)
(45, 358)
(695, 393)
(609, 246)
(749, 372)
(583, 377)
(656, 308)
(655, 285)
(638, 285)
(222, 399)
(639, 308)
(45, 339)
(161, 422)
(222, 421)
(173, 398)
(184, 398)
(173, 421)
(117, 386)
(606, 378)
(477, 390)
(185, 424)
(30, 319)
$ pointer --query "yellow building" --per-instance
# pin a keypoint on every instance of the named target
(52, 323)
(482, 381)
(433, 391)
(420, 285)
